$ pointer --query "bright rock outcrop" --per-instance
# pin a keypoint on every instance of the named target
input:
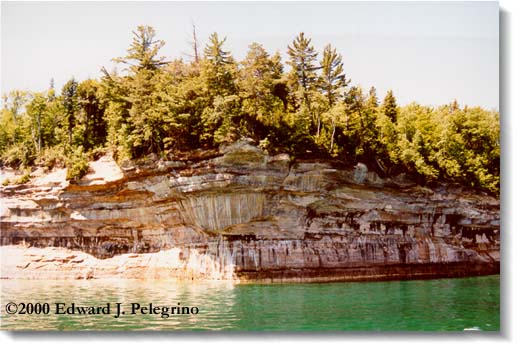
(241, 214)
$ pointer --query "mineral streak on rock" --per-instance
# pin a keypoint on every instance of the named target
(241, 214)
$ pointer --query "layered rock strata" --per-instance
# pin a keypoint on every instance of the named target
(241, 214)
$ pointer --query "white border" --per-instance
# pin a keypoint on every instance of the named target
(508, 338)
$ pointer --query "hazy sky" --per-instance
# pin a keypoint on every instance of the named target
(429, 52)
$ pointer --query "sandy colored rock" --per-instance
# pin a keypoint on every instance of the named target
(242, 214)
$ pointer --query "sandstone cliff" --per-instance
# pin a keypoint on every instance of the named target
(241, 214)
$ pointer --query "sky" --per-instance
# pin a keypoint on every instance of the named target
(426, 52)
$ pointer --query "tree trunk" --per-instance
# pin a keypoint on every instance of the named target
(333, 136)
(318, 125)
(195, 44)
(38, 121)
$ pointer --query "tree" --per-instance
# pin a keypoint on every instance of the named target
(219, 72)
(470, 146)
(132, 118)
(70, 105)
(389, 107)
(302, 60)
(372, 102)
(194, 45)
(15, 101)
(418, 140)
(355, 104)
(258, 78)
(36, 110)
(91, 124)
(143, 51)
(370, 132)
(219, 68)
(332, 80)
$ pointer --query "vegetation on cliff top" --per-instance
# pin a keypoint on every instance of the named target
(309, 110)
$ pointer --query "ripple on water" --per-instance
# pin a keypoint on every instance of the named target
(468, 304)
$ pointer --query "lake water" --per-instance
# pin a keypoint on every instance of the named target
(422, 305)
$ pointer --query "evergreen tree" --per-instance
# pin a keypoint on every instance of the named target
(302, 60)
(219, 67)
(91, 128)
(370, 132)
(372, 102)
(354, 127)
(332, 80)
(143, 51)
(70, 105)
(331, 83)
(164, 107)
(258, 78)
(224, 106)
(133, 119)
(303, 63)
(389, 107)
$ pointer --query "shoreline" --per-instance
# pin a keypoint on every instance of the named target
(53, 263)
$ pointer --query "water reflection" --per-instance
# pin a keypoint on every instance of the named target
(447, 304)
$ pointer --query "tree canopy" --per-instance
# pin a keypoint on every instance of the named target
(309, 109)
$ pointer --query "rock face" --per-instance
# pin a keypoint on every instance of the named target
(241, 214)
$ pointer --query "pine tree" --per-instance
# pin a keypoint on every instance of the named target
(258, 76)
(332, 79)
(215, 53)
(219, 73)
(331, 82)
(133, 119)
(372, 102)
(389, 107)
(93, 124)
(70, 105)
(219, 68)
(302, 60)
(143, 51)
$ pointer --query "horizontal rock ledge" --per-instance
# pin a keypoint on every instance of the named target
(242, 213)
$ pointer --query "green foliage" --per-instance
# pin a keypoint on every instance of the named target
(311, 111)
(303, 79)
(18, 155)
(218, 68)
(258, 79)
(389, 107)
(70, 105)
(143, 51)
(302, 60)
(51, 157)
(77, 165)
(332, 80)
(90, 126)
(470, 149)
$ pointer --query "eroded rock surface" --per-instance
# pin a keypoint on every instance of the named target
(245, 215)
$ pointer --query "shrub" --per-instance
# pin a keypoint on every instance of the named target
(52, 157)
(77, 165)
(18, 155)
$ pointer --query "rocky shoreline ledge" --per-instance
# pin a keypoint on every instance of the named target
(242, 215)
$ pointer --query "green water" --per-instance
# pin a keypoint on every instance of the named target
(431, 305)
